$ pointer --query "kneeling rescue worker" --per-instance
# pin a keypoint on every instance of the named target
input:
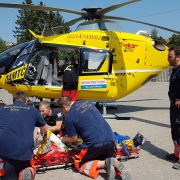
(54, 117)
(98, 148)
(17, 123)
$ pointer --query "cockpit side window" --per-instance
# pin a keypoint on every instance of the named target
(93, 61)
(24, 56)
(13, 51)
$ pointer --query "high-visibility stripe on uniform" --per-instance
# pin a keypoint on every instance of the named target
(176, 150)
(2, 171)
(85, 167)
(116, 171)
(179, 152)
(88, 168)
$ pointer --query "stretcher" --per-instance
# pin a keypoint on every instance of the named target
(53, 157)
(128, 148)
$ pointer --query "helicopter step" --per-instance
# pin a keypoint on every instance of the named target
(109, 116)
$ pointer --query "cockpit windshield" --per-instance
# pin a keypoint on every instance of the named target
(13, 51)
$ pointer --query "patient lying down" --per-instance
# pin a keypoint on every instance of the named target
(43, 146)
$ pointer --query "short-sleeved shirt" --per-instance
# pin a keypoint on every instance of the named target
(85, 120)
(57, 115)
(59, 71)
(174, 85)
(69, 73)
(17, 123)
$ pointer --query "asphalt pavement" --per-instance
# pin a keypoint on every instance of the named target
(149, 108)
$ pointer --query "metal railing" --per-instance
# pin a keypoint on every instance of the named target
(164, 76)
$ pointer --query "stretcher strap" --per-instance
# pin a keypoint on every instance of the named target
(119, 139)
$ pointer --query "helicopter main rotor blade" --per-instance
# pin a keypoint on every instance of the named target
(111, 8)
(40, 8)
(55, 30)
(125, 19)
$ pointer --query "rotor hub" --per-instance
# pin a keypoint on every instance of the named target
(91, 12)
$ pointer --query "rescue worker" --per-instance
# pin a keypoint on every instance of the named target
(17, 123)
(69, 79)
(2, 163)
(98, 148)
(174, 96)
(54, 117)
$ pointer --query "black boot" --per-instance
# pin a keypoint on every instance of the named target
(172, 157)
(124, 173)
(176, 165)
(109, 166)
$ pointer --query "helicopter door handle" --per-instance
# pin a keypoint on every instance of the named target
(110, 77)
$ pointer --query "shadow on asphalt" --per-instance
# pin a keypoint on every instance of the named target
(104, 176)
(151, 122)
(154, 150)
(123, 109)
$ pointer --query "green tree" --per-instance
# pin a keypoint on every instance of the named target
(154, 36)
(174, 40)
(25, 21)
(66, 55)
(154, 33)
(37, 21)
(3, 46)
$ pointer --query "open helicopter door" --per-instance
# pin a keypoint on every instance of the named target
(95, 79)
(95, 75)
(95, 65)
(18, 69)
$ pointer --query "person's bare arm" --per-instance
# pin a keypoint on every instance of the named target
(56, 128)
(69, 139)
(43, 131)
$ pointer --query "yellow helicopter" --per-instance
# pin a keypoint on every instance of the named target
(111, 63)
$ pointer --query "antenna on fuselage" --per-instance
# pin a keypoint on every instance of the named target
(141, 31)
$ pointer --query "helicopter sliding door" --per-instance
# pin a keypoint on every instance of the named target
(95, 67)
(18, 69)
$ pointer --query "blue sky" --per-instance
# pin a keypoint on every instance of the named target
(160, 12)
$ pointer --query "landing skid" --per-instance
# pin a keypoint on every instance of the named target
(109, 116)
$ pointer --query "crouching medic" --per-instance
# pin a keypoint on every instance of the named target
(17, 123)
